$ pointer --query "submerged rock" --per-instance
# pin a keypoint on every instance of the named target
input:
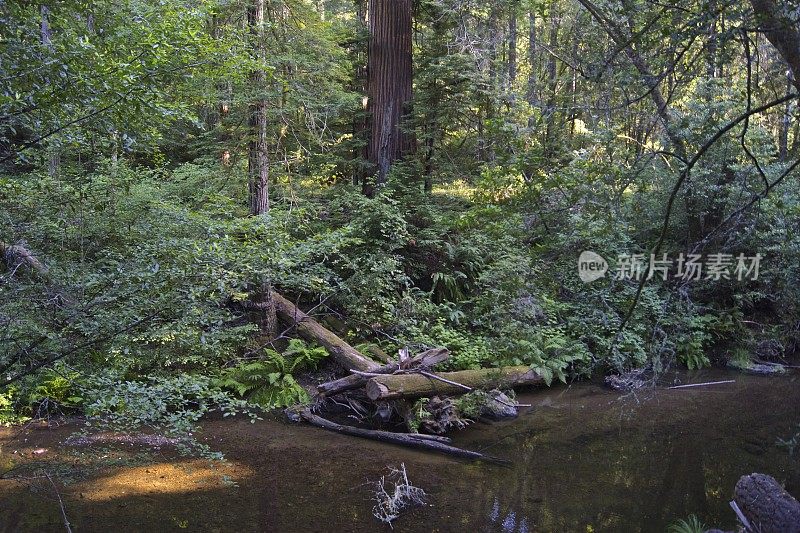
(498, 406)
(635, 379)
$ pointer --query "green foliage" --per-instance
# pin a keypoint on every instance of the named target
(269, 382)
(791, 443)
(692, 524)
(692, 346)
(172, 406)
(417, 414)
(115, 116)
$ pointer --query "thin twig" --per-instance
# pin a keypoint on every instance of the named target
(60, 503)
(702, 384)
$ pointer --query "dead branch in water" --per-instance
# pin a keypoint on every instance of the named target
(412, 440)
(706, 384)
(389, 504)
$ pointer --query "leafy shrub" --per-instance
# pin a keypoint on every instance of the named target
(171, 406)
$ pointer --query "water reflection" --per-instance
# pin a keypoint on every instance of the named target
(588, 462)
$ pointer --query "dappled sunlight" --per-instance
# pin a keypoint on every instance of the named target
(164, 478)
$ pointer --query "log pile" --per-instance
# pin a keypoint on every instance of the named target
(407, 378)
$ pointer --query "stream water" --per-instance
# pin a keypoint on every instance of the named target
(583, 459)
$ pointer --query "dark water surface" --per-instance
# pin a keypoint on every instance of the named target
(584, 459)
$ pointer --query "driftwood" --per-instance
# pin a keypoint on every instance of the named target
(310, 329)
(425, 359)
(413, 440)
(415, 385)
(765, 504)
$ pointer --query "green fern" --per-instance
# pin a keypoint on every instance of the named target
(270, 382)
(692, 524)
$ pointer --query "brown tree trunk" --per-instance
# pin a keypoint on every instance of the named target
(512, 50)
(778, 25)
(531, 94)
(258, 157)
(786, 120)
(766, 505)
(389, 84)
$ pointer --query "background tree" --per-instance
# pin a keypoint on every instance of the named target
(389, 86)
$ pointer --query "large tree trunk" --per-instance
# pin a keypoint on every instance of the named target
(389, 86)
(779, 26)
(308, 328)
(415, 385)
(258, 157)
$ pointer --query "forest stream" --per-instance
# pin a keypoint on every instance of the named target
(583, 459)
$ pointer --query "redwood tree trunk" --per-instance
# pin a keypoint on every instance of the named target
(388, 86)
(258, 157)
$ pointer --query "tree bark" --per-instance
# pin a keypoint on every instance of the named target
(531, 93)
(308, 328)
(512, 50)
(766, 505)
(426, 359)
(389, 85)
(394, 386)
(15, 255)
(777, 24)
(258, 157)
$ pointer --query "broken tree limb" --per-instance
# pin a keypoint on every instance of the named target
(405, 439)
(414, 385)
(310, 329)
(15, 255)
(358, 379)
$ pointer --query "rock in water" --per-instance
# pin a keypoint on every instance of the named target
(498, 406)
(768, 507)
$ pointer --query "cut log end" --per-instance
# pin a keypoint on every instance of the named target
(766, 505)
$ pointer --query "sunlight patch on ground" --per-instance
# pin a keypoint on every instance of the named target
(164, 478)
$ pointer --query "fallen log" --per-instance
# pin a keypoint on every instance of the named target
(14, 255)
(415, 385)
(425, 359)
(766, 505)
(413, 440)
(308, 328)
